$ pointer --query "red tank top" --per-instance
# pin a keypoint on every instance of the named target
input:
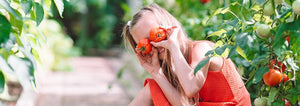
(224, 87)
(221, 88)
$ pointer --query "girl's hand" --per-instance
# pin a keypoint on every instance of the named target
(150, 62)
(172, 40)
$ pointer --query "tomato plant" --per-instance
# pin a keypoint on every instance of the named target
(144, 46)
(157, 34)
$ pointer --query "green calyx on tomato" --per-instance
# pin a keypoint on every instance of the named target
(144, 46)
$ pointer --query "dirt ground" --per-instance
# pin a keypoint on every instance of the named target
(93, 82)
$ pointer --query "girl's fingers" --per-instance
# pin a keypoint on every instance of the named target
(159, 44)
(139, 58)
(174, 33)
(167, 27)
(154, 56)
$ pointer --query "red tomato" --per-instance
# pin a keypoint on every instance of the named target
(204, 1)
(157, 34)
(286, 102)
(272, 78)
(285, 78)
(288, 39)
(144, 46)
(274, 63)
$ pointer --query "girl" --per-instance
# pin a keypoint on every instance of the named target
(171, 64)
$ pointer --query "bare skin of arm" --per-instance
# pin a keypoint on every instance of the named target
(143, 97)
(154, 69)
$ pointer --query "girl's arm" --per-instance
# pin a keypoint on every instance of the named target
(191, 83)
(144, 97)
(169, 91)
(153, 67)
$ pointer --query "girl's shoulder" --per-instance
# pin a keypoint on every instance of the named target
(203, 42)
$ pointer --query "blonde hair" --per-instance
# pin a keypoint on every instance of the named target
(166, 19)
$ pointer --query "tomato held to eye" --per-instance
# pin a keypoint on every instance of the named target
(272, 78)
(144, 46)
(157, 34)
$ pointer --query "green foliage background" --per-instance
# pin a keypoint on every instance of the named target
(28, 42)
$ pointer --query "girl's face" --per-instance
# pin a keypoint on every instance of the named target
(142, 28)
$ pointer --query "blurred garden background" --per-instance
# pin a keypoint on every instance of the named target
(71, 52)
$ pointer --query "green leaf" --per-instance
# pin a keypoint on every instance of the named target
(17, 24)
(23, 69)
(294, 93)
(220, 50)
(208, 53)
(26, 50)
(272, 94)
(8, 45)
(39, 13)
(120, 73)
(217, 33)
(36, 55)
(241, 52)
(201, 64)
(7, 7)
(291, 62)
(2, 82)
(60, 6)
(4, 66)
(259, 74)
(26, 6)
(5, 27)
(232, 51)
(48, 3)
(278, 103)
